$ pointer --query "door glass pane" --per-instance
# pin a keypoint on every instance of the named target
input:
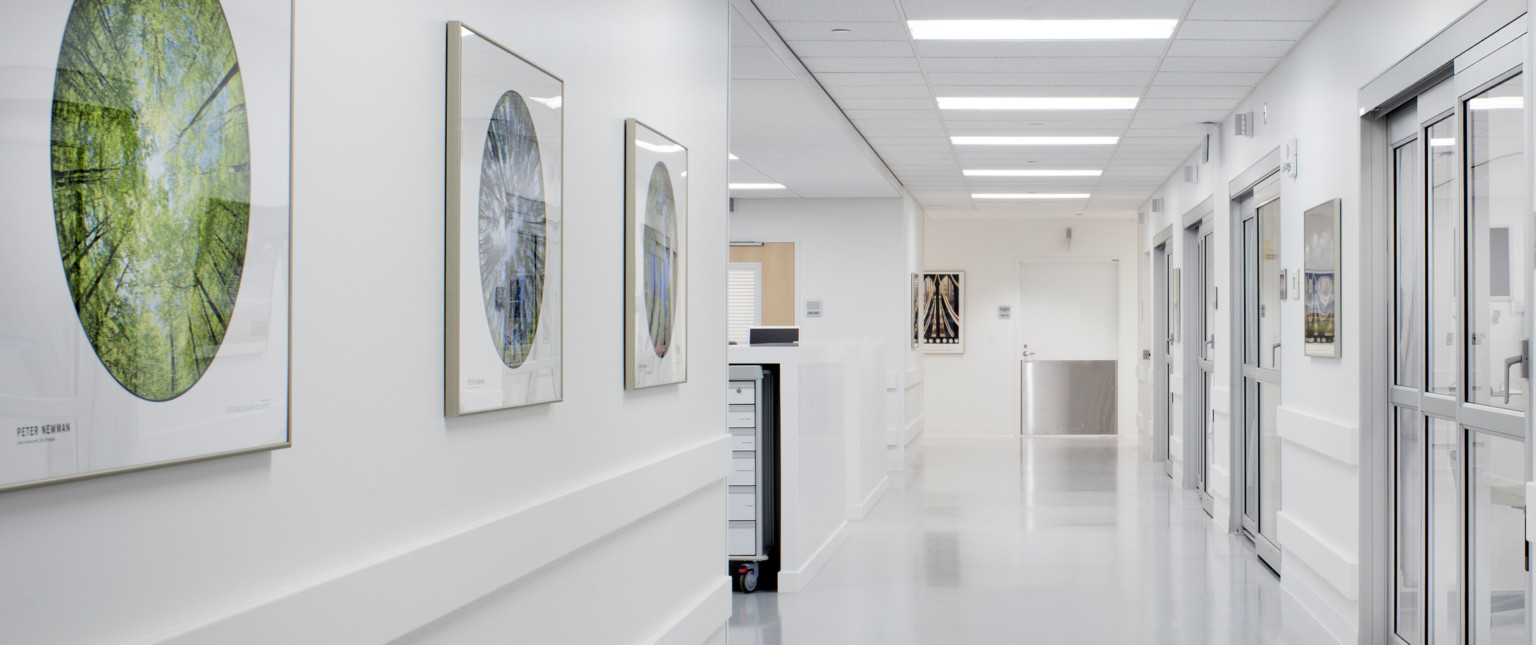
(1444, 259)
(1269, 460)
(1496, 201)
(1269, 284)
(1409, 222)
(1445, 533)
(1210, 439)
(1251, 287)
(1208, 287)
(1498, 539)
(1251, 450)
(1409, 527)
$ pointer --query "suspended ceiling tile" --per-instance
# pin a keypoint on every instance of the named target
(850, 64)
(1307, 10)
(1185, 115)
(1243, 29)
(891, 78)
(1104, 64)
(1218, 64)
(1059, 49)
(742, 35)
(1188, 104)
(888, 108)
(1039, 78)
(1247, 79)
(1042, 9)
(854, 48)
(1197, 92)
(820, 10)
(1036, 90)
(858, 30)
(1260, 48)
(879, 92)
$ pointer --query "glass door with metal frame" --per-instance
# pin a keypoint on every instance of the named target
(1263, 290)
(1205, 253)
(1459, 394)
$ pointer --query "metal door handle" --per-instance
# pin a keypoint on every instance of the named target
(1272, 352)
(1522, 360)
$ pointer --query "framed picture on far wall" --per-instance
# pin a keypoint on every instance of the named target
(655, 258)
(1320, 278)
(144, 234)
(505, 147)
(943, 312)
(917, 310)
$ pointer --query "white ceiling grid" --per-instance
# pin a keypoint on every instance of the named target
(886, 83)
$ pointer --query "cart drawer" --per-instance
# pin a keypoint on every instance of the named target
(742, 416)
(744, 392)
(743, 469)
(745, 442)
(741, 539)
(741, 503)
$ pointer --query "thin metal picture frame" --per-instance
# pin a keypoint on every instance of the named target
(633, 221)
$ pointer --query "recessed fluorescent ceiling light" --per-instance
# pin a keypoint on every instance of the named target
(1041, 29)
(756, 186)
(1442, 143)
(1497, 103)
(1034, 141)
(1030, 195)
(658, 147)
(1032, 173)
(732, 157)
(1035, 103)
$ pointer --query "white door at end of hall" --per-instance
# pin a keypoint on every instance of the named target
(1069, 311)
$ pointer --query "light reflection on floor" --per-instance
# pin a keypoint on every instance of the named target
(1048, 540)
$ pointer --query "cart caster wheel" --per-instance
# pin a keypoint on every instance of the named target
(746, 578)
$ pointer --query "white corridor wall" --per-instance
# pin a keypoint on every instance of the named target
(385, 520)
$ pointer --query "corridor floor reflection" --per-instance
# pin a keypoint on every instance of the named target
(1032, 540)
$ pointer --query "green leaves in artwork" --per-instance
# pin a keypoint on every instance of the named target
(151, 185)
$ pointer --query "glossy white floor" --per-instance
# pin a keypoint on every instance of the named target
(1048, 540)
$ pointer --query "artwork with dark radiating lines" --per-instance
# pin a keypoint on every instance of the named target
(943, 312)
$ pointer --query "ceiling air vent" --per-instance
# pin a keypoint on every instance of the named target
(1157, 205)
(1191, 174)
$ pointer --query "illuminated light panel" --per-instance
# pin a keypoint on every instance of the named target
(1031, 173)
(1442, 143)
(656, 147)
(1041, 29)
(1497, 103)
(1036, 103)
(756, 186)
(1034, 141)
(1030, 195)
(732, 157)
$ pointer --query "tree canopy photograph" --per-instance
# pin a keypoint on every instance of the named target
(151, 179)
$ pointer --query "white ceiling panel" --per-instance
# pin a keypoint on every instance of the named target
(821, 10)
(1188, 104)
(1243, 29)
(1104, 64)
(940, 89)
(1054, 49)
(892, 78)
(778, 129)
(1308, 10)
(1043, 9)
(851, 64)
(858, 30)
(1217, 64)
(888, 108)
(879, 92)
(1189, 115)
(1257, 48)
(1040, 78)
(1197, 92)
(1248, 79)
(854, 48)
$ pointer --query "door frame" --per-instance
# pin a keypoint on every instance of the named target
(1162, 358)
(1461, 44)
(1192, 319)
(1239, 188)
